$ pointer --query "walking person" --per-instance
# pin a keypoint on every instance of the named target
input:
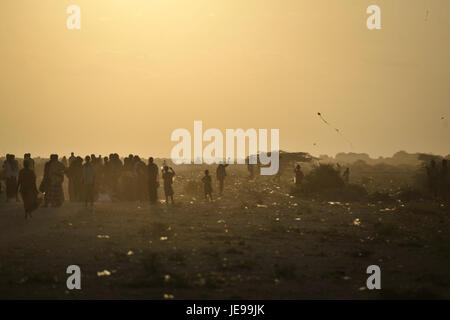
(207, 183)
(168, 174)
(220, 175)
(27, 188)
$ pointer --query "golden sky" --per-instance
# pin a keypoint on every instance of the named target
(139, 69)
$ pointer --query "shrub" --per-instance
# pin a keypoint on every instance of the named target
(323, 177)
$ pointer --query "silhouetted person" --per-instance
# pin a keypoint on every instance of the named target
(71, 158)
(64, 161)
(153, 184)
(298, 176)
(220, 175)
(98, 167)
(45, 183)
(11, 173)
(116, 172)
(75, 175)
(54, 190)
(89, 175)
(127, 180)
(207, 183)
(106, 177)
(140, 172)
(27, 188)
(168, 174)
(432, 173)
(27, 157)
(163, 165)
(346, 175)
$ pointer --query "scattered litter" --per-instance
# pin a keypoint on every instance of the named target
(103, 273)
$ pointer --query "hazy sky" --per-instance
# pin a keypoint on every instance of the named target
(138, 69)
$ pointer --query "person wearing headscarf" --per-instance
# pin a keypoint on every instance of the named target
(64, 161)
(55, 178)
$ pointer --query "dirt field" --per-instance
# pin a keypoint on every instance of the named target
(268, 246)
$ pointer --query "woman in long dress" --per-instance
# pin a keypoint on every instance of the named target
(28, 190)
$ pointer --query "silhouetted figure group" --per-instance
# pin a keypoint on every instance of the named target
(90, 179)
(23, 182)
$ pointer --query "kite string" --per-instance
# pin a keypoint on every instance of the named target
(335, 129)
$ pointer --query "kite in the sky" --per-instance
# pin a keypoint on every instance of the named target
(335, 129)
(320, 115)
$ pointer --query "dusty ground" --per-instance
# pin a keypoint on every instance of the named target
(269, 246)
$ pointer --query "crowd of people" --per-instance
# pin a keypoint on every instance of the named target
(131, 179)
(94, 178)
